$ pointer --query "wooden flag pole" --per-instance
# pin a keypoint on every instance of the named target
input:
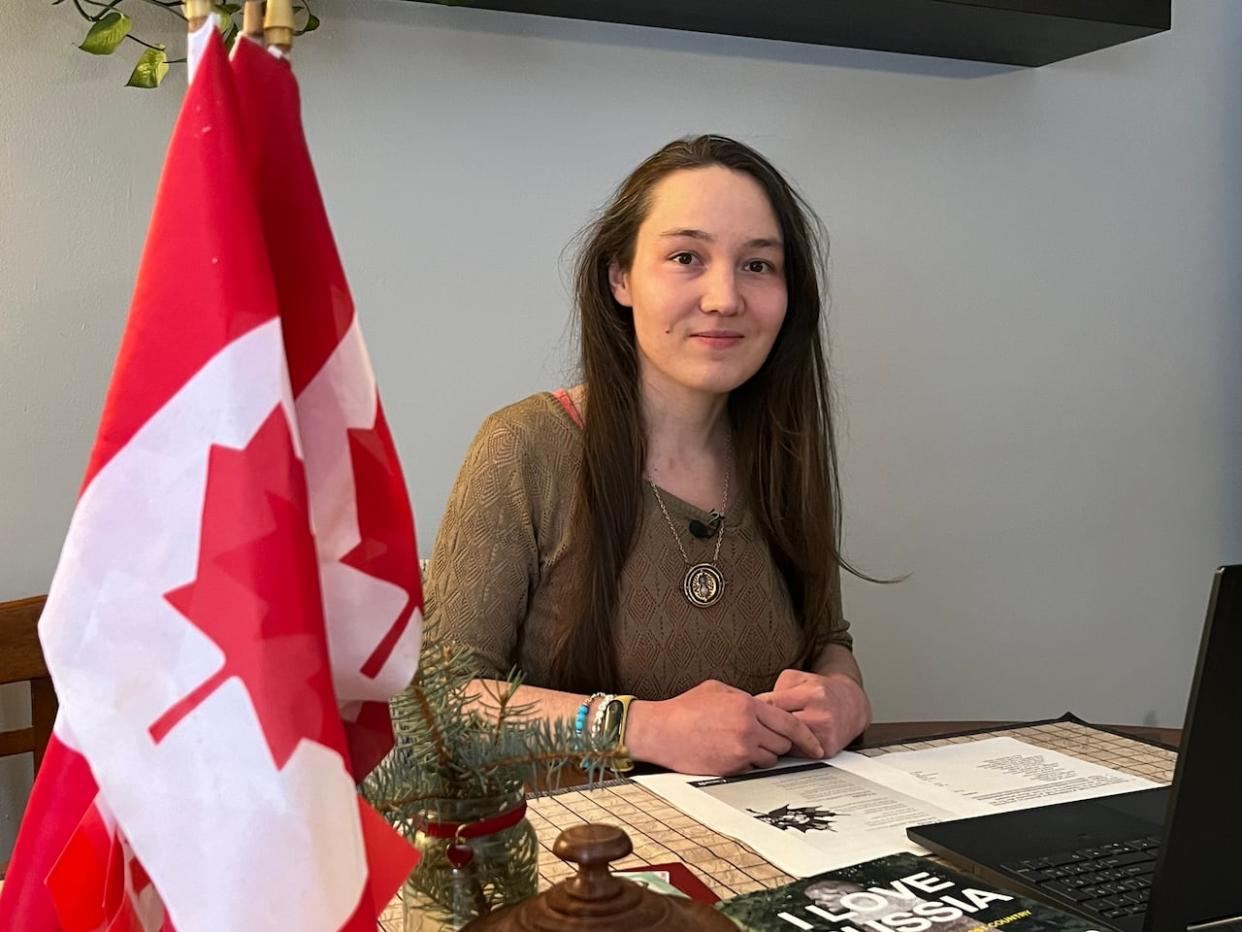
(278, 25)
(196, 13)
(252, 20)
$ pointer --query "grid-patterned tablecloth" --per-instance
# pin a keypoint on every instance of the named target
(661, 833)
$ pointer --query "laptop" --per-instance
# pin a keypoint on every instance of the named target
(1159, 860)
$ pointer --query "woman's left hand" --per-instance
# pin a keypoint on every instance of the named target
(833, 705)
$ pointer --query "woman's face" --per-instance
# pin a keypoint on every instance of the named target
(707, 284)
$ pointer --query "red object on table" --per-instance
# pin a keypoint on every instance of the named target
(680, 877)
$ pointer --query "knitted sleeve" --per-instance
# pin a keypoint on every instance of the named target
(486, 562)
(837, 631)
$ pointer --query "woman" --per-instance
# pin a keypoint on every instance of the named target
(668, 530)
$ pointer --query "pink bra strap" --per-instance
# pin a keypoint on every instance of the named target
(568, 404)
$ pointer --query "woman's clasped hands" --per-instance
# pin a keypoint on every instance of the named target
(717, 729)
(833, 705)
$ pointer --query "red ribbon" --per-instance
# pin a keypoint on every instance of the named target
(488, 826)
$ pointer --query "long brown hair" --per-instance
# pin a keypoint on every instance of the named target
(781, 418)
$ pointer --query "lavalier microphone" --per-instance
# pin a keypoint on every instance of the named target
(710, 529)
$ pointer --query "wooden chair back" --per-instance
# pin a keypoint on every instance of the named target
(21, 661)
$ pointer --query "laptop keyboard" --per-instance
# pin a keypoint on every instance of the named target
(1113, 881)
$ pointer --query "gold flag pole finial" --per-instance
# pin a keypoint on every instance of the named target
(278, 25)
(196, 13)
(252, 20)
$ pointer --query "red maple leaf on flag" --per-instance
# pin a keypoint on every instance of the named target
(256, 594)
(386, 550)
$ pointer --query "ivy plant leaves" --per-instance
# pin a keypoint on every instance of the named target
(110, 27)
(226, 19)
(312, 21)
(150, 70)
(106, 34)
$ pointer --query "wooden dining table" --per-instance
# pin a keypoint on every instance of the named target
(661, 834)
(883, 733)
(733, 868)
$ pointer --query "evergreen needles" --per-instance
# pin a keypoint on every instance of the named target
(457, 744)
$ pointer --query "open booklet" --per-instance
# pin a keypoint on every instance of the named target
(806, 818)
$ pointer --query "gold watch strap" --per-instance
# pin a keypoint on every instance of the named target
(624, 720)
(625, 716)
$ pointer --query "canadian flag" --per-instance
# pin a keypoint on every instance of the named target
(364, 530)
(238, 592)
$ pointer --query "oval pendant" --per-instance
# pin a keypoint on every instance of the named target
(703, 585)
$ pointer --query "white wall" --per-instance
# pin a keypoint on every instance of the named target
(1036, 300)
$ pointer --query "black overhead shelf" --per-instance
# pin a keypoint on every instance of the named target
(1011, 32)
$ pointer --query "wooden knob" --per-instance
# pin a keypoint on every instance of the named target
(592, 846)
(595, 891)
(597, 901)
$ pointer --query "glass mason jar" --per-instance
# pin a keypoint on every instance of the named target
(502, 868)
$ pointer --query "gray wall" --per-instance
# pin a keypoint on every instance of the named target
(1035, 320)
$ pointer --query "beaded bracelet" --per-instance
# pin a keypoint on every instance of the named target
(583, 711)
(597, 723)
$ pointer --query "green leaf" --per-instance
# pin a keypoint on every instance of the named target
(150, 70)
(229, 8)
(230, 37)
(106, 34)
(312, 23)
(225, 18)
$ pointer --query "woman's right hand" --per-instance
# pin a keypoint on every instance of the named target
(714, 729)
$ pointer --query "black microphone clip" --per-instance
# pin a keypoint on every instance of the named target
(707, 531)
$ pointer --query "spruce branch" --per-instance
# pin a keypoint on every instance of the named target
(442, 752)
(466, 748)
(461, 738)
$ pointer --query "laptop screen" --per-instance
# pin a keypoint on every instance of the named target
(1198, 879)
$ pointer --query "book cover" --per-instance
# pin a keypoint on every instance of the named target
(898, 893)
